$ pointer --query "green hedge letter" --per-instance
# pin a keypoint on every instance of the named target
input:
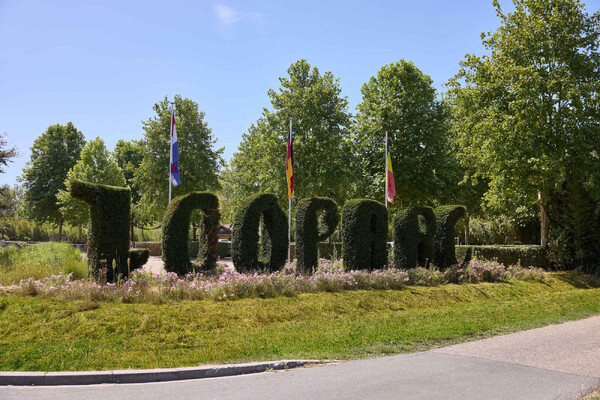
(312, 228)
(175, 238)
(444, 255)
(108, 238)
(412, 246)
(244, 237)
(364, 234)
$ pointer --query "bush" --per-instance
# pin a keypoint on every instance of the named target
(527, 256)
(175, 238)
(155, 248)
(364, 234)
(244, 238)
(108, 238)
(137, 258)
(312, 228)
(443, 244)
(413, 246)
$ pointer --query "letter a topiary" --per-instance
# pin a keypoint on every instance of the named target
(244, 238)
(176, 222)
(412, 246)
(364, 234)
(444, 255)
(108, 238)
(311, 229)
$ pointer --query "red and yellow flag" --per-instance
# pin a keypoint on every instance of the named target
(390, 187)
(289, 166)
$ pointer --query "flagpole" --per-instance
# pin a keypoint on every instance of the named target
(386, 167)
(290, 208)
(170, 148)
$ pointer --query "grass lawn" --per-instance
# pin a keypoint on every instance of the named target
(50, 335)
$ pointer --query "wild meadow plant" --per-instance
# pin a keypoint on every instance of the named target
(145, 287)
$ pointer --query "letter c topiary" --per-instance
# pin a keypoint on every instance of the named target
(364, 234)
(311, 229)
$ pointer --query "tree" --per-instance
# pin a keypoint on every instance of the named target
(129, 156)
(321, 146)
(95, 165)
(6, 154)
(53, 154)
(402, 100)
(526, 114)
(199, 162)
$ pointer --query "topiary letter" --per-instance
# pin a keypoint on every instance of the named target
(176, 222)
(108, 238)
(312, 228)
(412, 246)
(443, 244)
(364, 234)
(244, 238)
(137, 258)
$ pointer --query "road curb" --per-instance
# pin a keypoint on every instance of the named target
(144, 375)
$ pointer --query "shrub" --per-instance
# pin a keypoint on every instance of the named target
(413, 246)
(137, 258)
(155, 248)
(244, 238)
(443, 243)
(312, 228)
(529, 256)
(175, 238)
(364, 234)
(108, 237)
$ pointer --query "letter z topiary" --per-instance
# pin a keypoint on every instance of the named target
(412, 246)
(176, 222)
(364, 234)
(444, 254)
(312, 228)
(244, 237)
(108, 238)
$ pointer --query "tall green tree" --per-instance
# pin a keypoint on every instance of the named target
(526, 115)
(320, 136)
(401, 99)
(53, 154)
(199, 161)
(129, 156)
(95, 165)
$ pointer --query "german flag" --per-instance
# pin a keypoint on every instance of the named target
(289, 166)
(390, 187)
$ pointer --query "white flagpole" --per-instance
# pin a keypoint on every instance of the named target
(386, 174)
(290, 206)
(171, 147)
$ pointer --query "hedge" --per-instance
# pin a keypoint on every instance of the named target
(108, 237)
(527, 256)
(329, 251)
(444, 254)
(364, 234)
(413, 246)
(175, 236)
(137, 258)
(244, 237)
(312, 228)
(155, 248)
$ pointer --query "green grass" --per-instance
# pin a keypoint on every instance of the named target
(40, 260)
(50, 335)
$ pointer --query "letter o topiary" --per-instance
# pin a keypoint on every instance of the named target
(244, 237)
(108, 238)
(364, 234)
(444, 254)
(312, 228)
(412, 246)
(176, 222)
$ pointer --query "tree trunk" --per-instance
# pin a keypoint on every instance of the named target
(543, 221)
(60, 224)
(467, 217)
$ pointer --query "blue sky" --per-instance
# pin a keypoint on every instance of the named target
(103, 65)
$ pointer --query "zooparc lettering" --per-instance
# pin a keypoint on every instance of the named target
(420, 234)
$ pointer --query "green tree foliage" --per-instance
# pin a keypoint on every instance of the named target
(53, 154)
(321, 151)
(6, 154)
(129, 156)
(95, 165)
(199, 161)
(402, 100)
(526, 115)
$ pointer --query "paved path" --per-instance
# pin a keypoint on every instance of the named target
(156, 265)
(555, 362)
